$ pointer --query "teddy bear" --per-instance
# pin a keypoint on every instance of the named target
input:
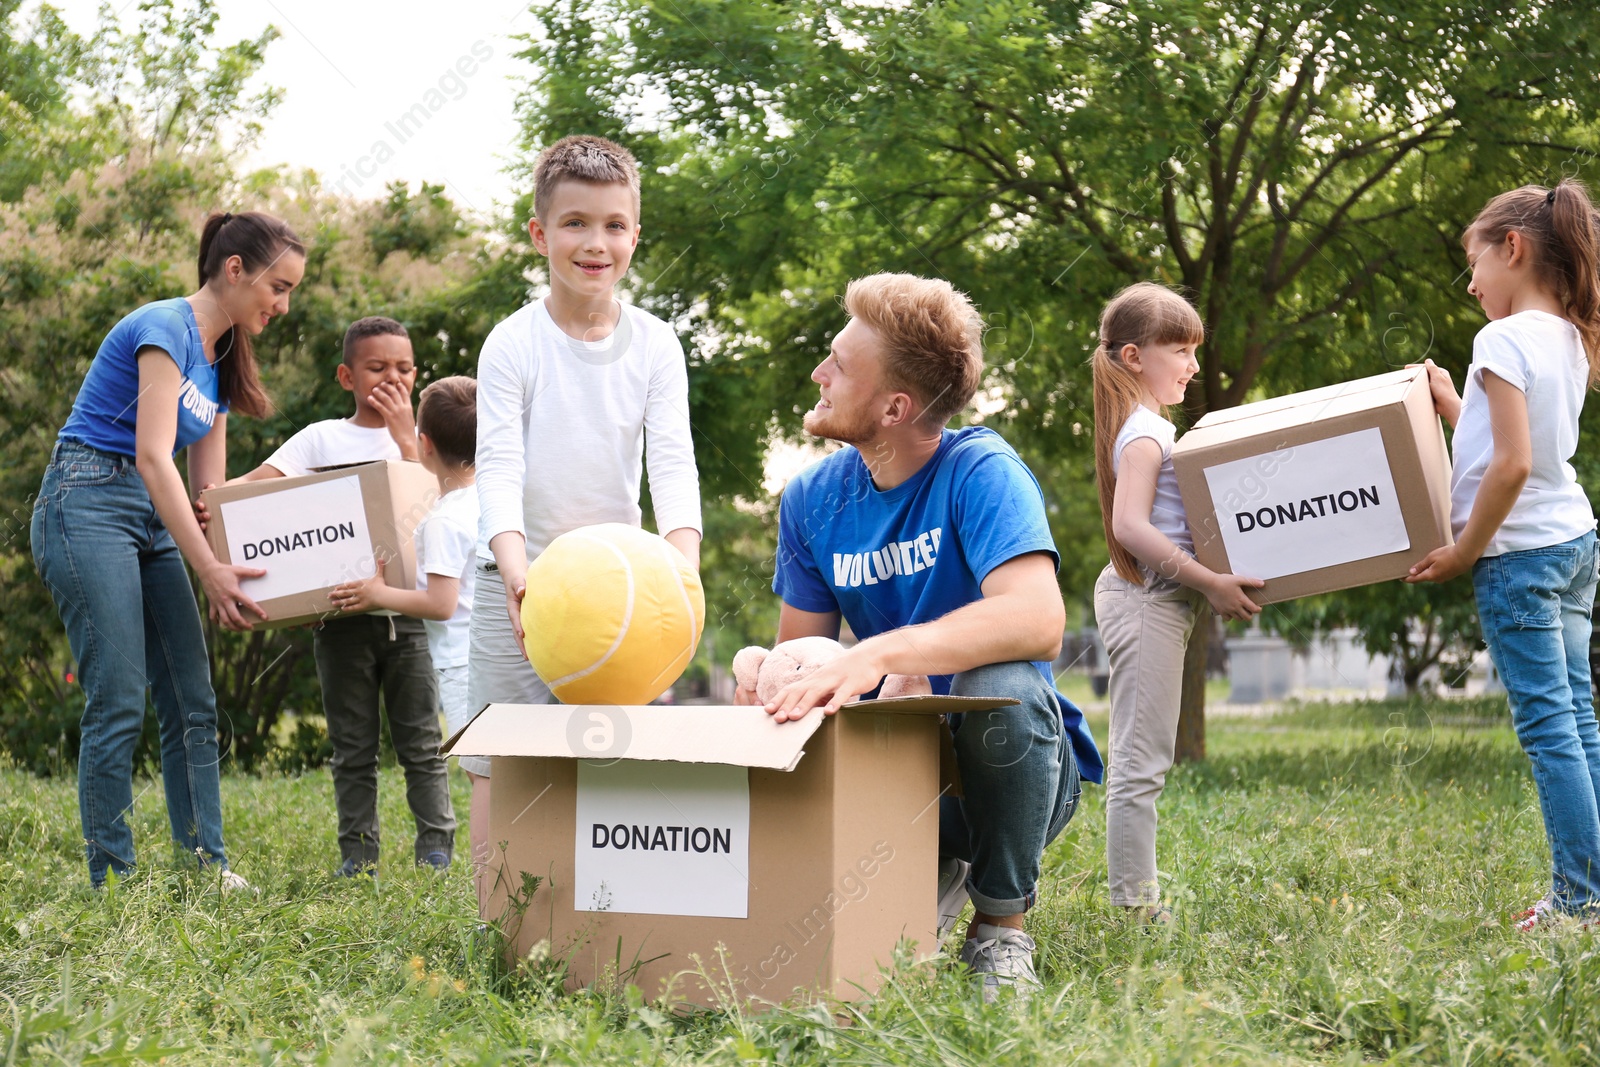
(769, 671)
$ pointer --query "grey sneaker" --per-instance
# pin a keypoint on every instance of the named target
(952, 894)
(1001, 956)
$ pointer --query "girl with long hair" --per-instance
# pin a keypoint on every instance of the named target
(1148, 599)
(1522, 523)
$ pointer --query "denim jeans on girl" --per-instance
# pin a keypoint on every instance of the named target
(1535, 609)
(119, 582)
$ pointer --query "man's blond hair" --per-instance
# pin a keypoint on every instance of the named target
(583, 158)
(932, 339)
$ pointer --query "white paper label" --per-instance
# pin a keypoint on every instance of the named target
(306, 538)
(1308, 506)
(658, 838)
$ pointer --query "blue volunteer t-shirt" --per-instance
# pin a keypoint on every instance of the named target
(105, 414)
(919, 551)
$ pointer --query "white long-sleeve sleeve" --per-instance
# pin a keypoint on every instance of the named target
(503, 409)
(565, 427)
(669, 448)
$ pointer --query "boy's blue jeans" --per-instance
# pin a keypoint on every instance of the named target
(1535, 608)
(119, 582)
(1019, 783)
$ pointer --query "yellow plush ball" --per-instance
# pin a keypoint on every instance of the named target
(612, 615)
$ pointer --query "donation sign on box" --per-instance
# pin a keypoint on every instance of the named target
(657, 838)
(306, 537)
(1317, 504)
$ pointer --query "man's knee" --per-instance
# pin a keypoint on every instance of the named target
(1018, 679)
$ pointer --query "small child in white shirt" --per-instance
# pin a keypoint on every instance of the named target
(447, 541)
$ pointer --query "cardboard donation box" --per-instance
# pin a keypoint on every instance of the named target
(315, 531)
(1322, 490)
(780, 856)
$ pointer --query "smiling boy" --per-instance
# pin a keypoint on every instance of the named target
(578, 393)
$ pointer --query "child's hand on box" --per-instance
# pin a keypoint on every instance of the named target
(1440, 565)
(369, 594)
(1446, 401)
(393, 402)
(1229, 599)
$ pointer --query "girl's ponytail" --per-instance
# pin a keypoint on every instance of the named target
(258, 239)
(1142, 314)
(1560, 224)
(1116, 394)
(1575, 254)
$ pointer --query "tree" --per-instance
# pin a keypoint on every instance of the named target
(1292, 169)
(157, 116)
(1417, 626)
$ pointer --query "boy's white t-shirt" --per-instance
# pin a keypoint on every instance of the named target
(333, 443)
(447, 542)
(567, 427)
(1542, 355)
(1166, 512)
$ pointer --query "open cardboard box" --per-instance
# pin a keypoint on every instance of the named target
(704, 853)
(314, 531)
(1320, 490)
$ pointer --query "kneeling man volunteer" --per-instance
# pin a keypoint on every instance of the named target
(932, 543)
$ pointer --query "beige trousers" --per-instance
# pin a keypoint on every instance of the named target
(1145, 631)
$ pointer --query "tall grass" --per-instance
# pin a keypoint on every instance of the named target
(1341, 880)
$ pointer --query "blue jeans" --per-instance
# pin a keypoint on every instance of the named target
(119, 582)
(1019, 783)
(1535, 607)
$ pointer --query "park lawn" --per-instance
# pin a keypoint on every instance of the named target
(1342, 878)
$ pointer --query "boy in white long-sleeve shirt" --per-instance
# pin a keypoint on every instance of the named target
(577, 394)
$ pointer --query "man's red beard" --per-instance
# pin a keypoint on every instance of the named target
(834, 427)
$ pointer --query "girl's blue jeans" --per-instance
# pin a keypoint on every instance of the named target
(1535, 607)
(119, 583)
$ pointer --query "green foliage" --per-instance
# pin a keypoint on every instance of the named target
(35, 74)
(425, 225)
(159, 103)
(1302, 173)
(1418, 626)
(1341, 875)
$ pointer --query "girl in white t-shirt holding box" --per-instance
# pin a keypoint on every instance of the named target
(1148, 599)
(1522, 523)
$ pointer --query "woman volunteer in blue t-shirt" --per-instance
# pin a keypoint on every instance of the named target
(113, 515)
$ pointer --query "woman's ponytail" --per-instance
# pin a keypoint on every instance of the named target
(258, 239)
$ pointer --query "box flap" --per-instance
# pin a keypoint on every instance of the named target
(741, 736)
(1271, 419)
(930, 705)
(1393, 380)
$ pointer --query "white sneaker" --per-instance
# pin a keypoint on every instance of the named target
(952, 893)
(1001, 956)
(233, 883)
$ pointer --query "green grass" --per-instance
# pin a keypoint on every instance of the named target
(1341, 877)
